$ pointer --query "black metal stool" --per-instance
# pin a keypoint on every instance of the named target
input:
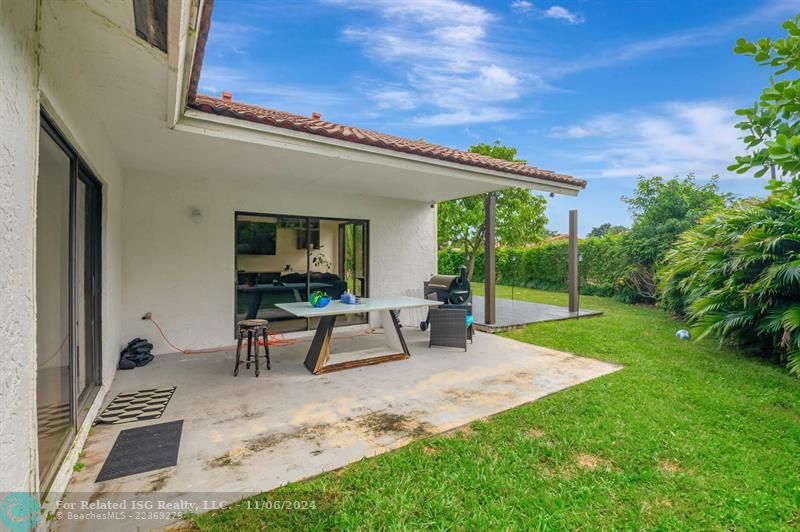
(253, 329)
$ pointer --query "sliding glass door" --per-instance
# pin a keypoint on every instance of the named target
(53, 391)
(352, 256)
(67, 296)
(281, 259)
(87, 289)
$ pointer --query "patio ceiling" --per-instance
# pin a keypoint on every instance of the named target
(122, 82)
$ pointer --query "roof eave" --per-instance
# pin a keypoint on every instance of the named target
(253, 132)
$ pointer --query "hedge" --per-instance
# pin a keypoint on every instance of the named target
(545, 266)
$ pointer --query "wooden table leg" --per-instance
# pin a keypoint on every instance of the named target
(319, 351)
(321, 345)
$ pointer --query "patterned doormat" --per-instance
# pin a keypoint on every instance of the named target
(53, 419)
(136, 406)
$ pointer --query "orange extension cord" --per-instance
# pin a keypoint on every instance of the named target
(274, 339)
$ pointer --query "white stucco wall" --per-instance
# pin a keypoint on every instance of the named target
(183, 272)
(18, 141)
(66, 105)
(21, 74)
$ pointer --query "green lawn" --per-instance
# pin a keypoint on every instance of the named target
(687, 436)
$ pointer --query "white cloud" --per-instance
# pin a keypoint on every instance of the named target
(600, 126)
(562, 13)
(445, 57)
(522, 6)
(612, 55)
(499, 81)
(464, 117)
(233, 37)
(394, 99)
(669, 139)
(554, 12)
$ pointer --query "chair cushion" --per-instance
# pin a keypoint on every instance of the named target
(470, 319)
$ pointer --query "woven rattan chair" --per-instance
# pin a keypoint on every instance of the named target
(449, 326)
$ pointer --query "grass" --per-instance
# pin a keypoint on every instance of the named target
(687, 436)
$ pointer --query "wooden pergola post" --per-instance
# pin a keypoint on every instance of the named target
(573, 262)
(489, 255)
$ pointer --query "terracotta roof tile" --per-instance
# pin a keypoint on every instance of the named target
(332, 130)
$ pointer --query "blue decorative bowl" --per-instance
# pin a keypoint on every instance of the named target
(321, 302)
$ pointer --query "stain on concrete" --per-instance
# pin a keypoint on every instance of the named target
(473, 396)
(518, 377)
(98, 494)
(383, 423)
(268, 441)
(160, 480)
(244, 416)
(373, 424)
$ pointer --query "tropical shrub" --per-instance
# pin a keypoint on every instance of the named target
(736, 275)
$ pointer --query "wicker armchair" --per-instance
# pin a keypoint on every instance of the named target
(451, 326)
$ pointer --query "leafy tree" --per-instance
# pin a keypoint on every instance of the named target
(771, 125)
(737, 274)
(520, 214)
(606, 229)
(662, 209)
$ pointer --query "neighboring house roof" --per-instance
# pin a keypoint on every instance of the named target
(549, 240)
(555, 238)
(358, 135)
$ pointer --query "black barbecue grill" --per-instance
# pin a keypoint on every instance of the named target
(449, 289)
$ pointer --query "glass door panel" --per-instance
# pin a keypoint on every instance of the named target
(271, 266)
(67, 297)
(350, 263)
(352, 259)
(87, 290)
(53, 392)
(285, 258)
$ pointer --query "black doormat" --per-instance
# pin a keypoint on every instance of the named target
(143, 449)
(136, 406)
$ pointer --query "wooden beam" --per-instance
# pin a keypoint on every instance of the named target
(573, 261)
(490, 271)
(360, 363)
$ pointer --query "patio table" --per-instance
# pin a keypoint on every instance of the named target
(319, 351)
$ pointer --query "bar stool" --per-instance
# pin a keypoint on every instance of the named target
(253, 329)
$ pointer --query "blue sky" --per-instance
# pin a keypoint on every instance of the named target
(605, 90)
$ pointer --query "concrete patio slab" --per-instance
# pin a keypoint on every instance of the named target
(243, 435)
(513, 314)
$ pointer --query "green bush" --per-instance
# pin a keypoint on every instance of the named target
(545, 266)
(737, 274)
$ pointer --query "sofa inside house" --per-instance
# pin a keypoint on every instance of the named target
(258, 292)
